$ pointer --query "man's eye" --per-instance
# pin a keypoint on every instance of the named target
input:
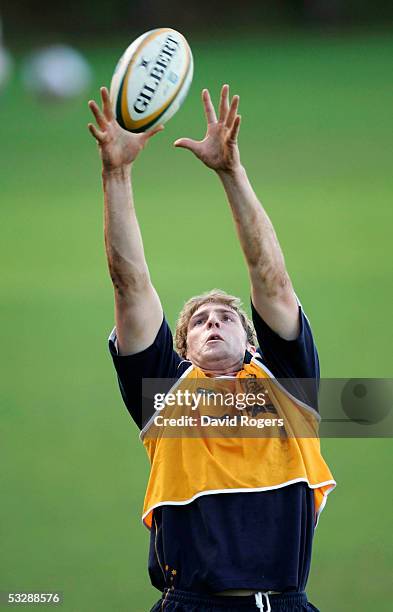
(198, 322)
(227, 318)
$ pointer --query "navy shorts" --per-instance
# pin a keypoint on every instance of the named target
(184, 601)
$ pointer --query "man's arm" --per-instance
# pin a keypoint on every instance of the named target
(271, 289)
(138, 311)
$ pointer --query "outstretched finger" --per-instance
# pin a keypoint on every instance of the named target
(98, 135)
(235, 129)
(153, 131)
(210, 113)
(97, 114)
(232, 111)
(224, 103)
(106, 104)
(188, 143)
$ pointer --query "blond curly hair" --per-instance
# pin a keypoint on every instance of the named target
(216, 296)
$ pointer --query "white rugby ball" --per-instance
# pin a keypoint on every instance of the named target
(151, 79)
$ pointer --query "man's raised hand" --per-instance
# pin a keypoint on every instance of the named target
(218, 150)
(118, 147)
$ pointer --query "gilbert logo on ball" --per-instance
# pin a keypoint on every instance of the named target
(151, 79)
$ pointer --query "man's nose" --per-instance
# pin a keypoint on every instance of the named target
(213, 321)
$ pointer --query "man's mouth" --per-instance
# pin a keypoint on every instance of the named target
(214, 338)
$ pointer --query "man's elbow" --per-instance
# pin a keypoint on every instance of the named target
(130, 283)
(272, 281)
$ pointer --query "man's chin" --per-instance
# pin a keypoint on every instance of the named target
(213, 356)
(216, 348)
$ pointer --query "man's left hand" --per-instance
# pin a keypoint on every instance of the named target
(218, 150)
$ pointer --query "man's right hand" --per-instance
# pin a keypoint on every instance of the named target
(118, 147)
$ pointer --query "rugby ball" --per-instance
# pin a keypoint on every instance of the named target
(151, 79)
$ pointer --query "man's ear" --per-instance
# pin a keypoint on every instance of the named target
(251, 348)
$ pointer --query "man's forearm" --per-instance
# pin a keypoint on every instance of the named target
(123, 240)
(256, 234)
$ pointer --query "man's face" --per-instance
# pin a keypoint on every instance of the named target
(216, 339)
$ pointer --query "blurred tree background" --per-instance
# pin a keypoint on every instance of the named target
(25, 18)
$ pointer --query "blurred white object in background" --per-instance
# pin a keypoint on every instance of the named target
(5, 60)
(57, 72)
(5, 66)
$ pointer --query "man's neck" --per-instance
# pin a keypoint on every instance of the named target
(229, 371)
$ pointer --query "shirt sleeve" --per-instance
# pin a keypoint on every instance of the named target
(159, 360)
(295, 361)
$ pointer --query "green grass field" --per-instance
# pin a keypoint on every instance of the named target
(316, 138)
